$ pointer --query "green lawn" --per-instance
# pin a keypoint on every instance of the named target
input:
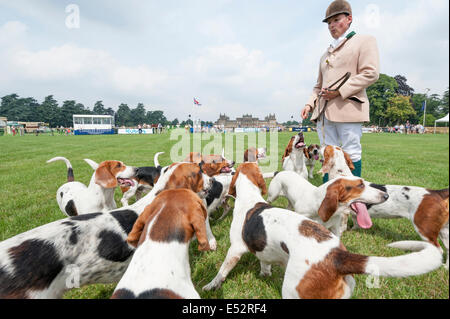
(28, 188)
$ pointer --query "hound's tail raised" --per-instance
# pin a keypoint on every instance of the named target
(155, 159)
(70, 177)
(91, 163)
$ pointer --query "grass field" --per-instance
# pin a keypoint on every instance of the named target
(28, 187)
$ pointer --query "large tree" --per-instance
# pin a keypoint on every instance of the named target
(445, 102)
(68, 109)
(49, 112)
(99, 109)
(19, 109)
(399, 109)
(123, 115)
(379, 94)
(403, 88)
(138, 114)
(156, 117)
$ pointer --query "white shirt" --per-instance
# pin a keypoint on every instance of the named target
(338, 41)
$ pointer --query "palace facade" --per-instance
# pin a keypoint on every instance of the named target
(247, 120)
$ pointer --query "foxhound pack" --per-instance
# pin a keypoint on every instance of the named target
(39, 263)
(317, 264)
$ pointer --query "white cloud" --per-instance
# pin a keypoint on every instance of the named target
(218, 29)
(71, 64)
(234, 64)
(165, 53)
(235, 79)
(10, 32)
(414, 42)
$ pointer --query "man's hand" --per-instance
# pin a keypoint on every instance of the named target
(305, 111)
(329, 95)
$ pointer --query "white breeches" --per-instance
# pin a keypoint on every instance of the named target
(346, 135)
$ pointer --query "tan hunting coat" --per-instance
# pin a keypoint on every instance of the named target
(359, 56)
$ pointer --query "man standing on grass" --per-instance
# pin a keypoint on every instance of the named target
(340, 123)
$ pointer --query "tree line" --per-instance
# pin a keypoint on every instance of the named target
(392, 101)
(49, 111)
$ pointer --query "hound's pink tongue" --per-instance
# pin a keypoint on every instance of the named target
(225, 170)
(316, 157)
(126, 181)
(362, 215)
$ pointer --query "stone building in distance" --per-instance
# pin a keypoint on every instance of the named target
(247, 120)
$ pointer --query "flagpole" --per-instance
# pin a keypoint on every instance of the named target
(193, 116)
(424, 112)
(425, 107)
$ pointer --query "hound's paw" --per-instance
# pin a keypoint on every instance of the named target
(265, 273)
(213, 285)
(213, 244)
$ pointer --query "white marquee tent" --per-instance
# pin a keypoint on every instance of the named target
(444, 119)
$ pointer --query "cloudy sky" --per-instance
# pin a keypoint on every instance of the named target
(236, 57)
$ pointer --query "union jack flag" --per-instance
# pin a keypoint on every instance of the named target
(196, 102)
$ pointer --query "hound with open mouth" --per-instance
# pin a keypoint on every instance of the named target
(312, 154)
(41, 263)
(427, 209)
(326, 203)
(212, 164)
(317, 263)
(74, 198)
(294, 158)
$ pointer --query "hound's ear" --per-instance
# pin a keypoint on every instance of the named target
(288, 148)
(329, 161)
(201, 166)
(104, 177)
(197, 220)
(306, 153)
(232, 188)
(135, 235)
(327, 164)
(252, 157)
(349, 161)
(262, 185)
(330, 203)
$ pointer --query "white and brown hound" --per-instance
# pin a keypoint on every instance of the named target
(325, 204)
(160, 266)
(74, 198)
(317, 264)
(312, 154)
(427, 209)
(47, 261)
(212, 164)
(294, 158)
(145, 180)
